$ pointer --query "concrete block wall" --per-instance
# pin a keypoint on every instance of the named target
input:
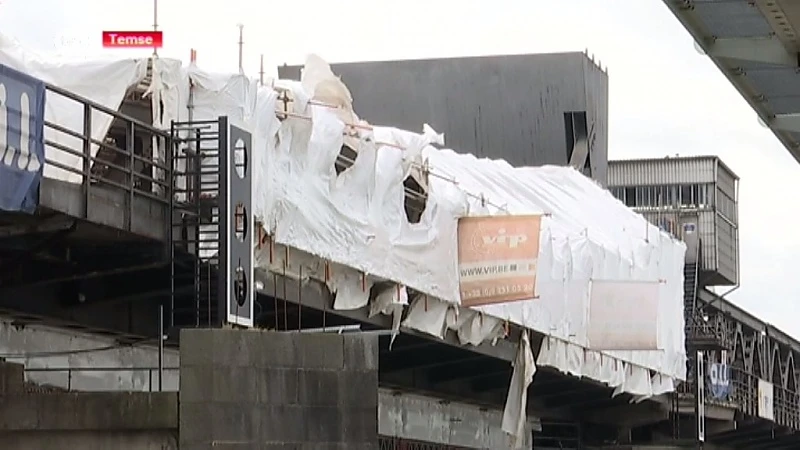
(85, 420)
(41, 339)
(271, 390)
(12, 377)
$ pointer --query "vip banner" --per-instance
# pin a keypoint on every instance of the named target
(497, 258)
(21, 140)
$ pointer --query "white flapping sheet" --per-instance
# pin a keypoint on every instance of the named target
(103, 82)
(350, 230)
(357, 219)
(623, 315)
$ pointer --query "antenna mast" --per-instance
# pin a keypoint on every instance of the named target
(241, 47)
(155, 23)
(261, 71)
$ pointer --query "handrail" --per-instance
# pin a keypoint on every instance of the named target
(99, 107)
(140, 165)
(698, 262)
(743, 396)
(151, 370)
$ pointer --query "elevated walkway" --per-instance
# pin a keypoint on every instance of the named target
(116, 182)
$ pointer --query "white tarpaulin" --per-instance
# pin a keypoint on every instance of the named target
(514, 413)
(623, 315)
(356, 222)
(103, 82)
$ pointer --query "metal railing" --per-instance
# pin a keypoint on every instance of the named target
(786, 410)
(130, 167)
(744, 396)
(154, 383)
(393, 443)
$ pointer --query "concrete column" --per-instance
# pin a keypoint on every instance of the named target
(252, 389)
(12, 378)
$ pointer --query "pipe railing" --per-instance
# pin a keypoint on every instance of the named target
(153, 374)
(101, 162)
(743, 395)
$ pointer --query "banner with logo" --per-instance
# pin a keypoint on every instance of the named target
(497, 258)
(22, 100)
(719, 380)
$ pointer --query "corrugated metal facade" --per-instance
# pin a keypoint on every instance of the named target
(672, 192)
(706, 229)
(653, 172)
(510, 107)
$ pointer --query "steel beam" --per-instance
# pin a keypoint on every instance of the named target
(768, 50)
(685, 13)
(736, 313)
(785, 122)
(429, 419)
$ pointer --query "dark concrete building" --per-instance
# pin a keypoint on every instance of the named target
(527, 109)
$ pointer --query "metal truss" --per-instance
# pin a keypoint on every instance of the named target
(752, 355)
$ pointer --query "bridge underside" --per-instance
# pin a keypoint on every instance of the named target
(80, 275)
(755, 44)
(77, 274)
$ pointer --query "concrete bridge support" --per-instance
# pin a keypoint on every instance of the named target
(52, 420)
(253, 389)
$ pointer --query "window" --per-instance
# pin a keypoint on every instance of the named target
(688, 196)
(702, 196)
(416, 199)
(576, 132)
(345, 160)
(664, 196)
(671, 196)
(630, 196)
(618, 193)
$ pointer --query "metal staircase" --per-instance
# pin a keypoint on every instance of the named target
(690, 309)
(195, 232)
(702, 335)
(211, 238)
(701, 331)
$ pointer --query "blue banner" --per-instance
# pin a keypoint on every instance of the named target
(21, 140)
(719, 377)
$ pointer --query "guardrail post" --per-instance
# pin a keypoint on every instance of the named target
(69, 380)
(130, 135)
(160, 347)
(87, 157)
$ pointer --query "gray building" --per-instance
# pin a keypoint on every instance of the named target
(695, 199)
(527, 109)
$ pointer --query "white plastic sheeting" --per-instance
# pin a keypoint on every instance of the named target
(351, 231)
(623, 315)
(103, 82)
(514, 414)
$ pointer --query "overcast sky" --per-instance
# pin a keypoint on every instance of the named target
(665, 98)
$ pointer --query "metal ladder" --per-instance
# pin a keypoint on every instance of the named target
(195, 231)
(690, 307)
